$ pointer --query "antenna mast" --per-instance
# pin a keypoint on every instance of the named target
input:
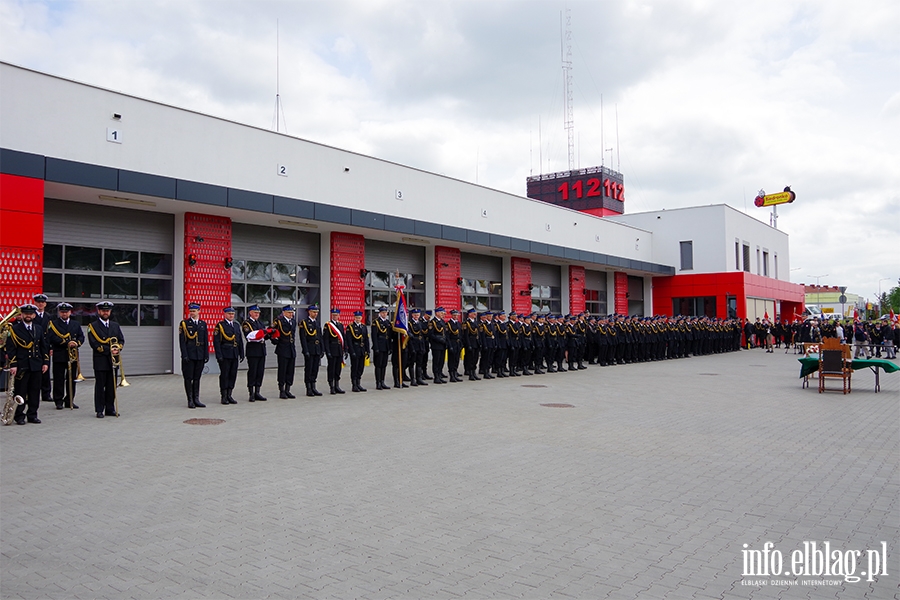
(279, 108)
(569, 120)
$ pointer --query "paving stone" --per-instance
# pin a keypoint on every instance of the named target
(649, 487)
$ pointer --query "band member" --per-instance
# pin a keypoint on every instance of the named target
(42, 318)
(28, 358)
(381, 346)
(286, 350)
(471, 344)
(333, 338)
(312, 345)
(437, 339)
(228, 344)
(357, 346)
(194, 341)
(101, 334)
(64, 336)
(255, 333)
(454, 345)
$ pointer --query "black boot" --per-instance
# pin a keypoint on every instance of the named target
(355, 387)
(257, 395)
(287, 392)
(189, 392)
(281, 394)
(252, 397)
(309, 391)
(331, 388)
(231, 399)
(314, 390)
(337, 386)
(224, 396)
(359, 385)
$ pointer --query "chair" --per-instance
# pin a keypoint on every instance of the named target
(833, 363)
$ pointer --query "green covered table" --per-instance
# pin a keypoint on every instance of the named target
(810, 364)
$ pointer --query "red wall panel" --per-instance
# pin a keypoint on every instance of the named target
(21, 240)
(621, 292)
(348, 288)
(446, 275)
(207, 240)
(576, 289)
(521, 282)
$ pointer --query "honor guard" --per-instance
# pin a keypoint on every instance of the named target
(417, 352)
(514, 344)
(487, 343)
(42, 318)
(501, 344)
(539, 343)
(228, 343)
(193, 338)
(437, 339)
(64, 337)
(285, 328)
(255, 333)
(333, 338)
(381, 346)
(526, 349)
(454, 345)
(311, 344)
(28, 358)
(106, 340)
(357, 346)
(471, 344)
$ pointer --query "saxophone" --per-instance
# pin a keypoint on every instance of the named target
(12, 401)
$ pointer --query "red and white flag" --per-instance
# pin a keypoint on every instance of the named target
(257, 335)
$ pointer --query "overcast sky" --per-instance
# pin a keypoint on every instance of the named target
(715, 99)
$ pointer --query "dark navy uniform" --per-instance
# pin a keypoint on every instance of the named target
(28, 353)
(42, 318)
(255, 352)
(61, 332)
(101, 335)
(357, 346)
(228, 343)
(381, 346)
(417, 348)
(437, 338)
(286, 350)
(488, 344)
(472, 345)
(454, 345)
(193, 338)
(501, 344)
(333, 340)
(311, 344)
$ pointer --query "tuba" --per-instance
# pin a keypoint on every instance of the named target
(12, 400)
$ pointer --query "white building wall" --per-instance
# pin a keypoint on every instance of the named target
(63, 119)
(713, 230)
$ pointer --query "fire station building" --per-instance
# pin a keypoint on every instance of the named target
(108, 196)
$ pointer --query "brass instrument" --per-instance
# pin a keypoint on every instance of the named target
(12, 400)
(115, 349)
(74, 357)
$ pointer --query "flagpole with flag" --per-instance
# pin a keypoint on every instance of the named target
(401, 326)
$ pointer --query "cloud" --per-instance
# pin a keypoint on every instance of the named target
(715, 99)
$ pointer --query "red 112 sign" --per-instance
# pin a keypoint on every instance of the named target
(591, 188)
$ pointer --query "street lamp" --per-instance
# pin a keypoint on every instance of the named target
(880, 307)
(818, 291)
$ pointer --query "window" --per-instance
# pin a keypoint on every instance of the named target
(758, 262)
(737, 255)
(746, 258)
(482, 295)
(687, 256)
(380, 291)
(776, 266)
(595, 301)
(83, 276)
(765, 264)
(546, 299)
(273, 286)
(697, 306)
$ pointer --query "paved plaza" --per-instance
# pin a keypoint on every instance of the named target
(649, 486)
